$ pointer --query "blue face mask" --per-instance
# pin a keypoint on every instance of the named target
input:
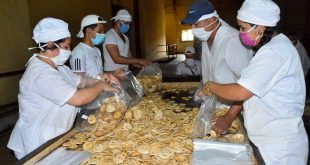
(123, 28)
(98, 39)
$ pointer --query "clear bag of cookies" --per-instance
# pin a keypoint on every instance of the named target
(150, 77)
(104, 112)
(203, 121)
(133, 90)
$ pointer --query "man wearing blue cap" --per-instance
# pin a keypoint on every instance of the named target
(223, 57)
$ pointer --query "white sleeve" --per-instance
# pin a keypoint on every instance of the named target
(237, 57)
(78, 61)
(110, 39)
(264, 70)
(53, 86)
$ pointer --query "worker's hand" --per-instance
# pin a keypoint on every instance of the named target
(144, 62)
(205, 90)
(118, 72)
(105, 86)
(110, 78)
(222, 124)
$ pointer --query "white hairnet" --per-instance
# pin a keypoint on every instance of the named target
(259, 12)
(122, 15)
(50, 29)
(190, 49)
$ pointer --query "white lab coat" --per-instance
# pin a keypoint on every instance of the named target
(305, 62)
(274, 114)
(43, 110)
(86, 59)
(227, 57)
(189, 67)
(112, 38)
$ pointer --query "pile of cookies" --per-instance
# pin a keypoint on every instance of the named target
(150, 133)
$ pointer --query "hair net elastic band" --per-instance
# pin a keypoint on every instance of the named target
(38, 47)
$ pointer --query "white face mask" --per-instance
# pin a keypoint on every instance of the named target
(190, 62)
(203, 35)
(61, 58)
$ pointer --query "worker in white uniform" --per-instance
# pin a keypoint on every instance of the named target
(304, 58)
(223, 56)
(49, 90)
(190, 66)
(86, 57)
(272, 87)
(116, 52)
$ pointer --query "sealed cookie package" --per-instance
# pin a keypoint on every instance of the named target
(133, 90)
(150, 77)
(204, 118)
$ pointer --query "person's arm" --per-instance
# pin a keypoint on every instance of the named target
(117, 58)
(86, 81)
(136, 65)
(233, 92)
(224, 122)
(88, 94)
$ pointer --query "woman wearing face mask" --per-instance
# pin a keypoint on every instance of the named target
(117, 55)
(223, 56)
(272, 86)
(49, 90)
(86, 57)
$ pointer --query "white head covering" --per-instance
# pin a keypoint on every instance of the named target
(190, 49)
(259, 12)
(122, 15)
(89, 20)
(50, 29)
(206, 16)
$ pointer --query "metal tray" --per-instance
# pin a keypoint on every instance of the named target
(221, 153)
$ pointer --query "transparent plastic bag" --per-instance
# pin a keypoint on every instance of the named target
(63, 156)
(150, 77)
(196, 97)
(215, 153)
(203, 121)
(91, 113)
(111, 113)
(133, 90)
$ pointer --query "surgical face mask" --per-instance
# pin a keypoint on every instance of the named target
(246, 40)
(190, 62)
(123, 28)
(61, 58)
(203, 35)
(98, 39)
